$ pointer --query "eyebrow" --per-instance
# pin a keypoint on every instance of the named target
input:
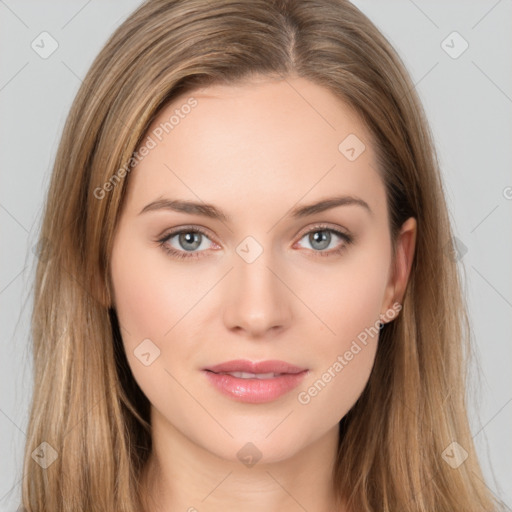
(211, 211)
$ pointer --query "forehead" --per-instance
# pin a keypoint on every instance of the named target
(280, 140)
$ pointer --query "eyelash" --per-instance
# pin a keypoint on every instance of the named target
(348, 239)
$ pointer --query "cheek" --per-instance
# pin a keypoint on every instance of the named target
(159, 301)
(349, 302)
(148, 304)
(149, 301)
(345, 350)
(349, 299)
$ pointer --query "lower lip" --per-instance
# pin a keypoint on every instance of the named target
(255, 391)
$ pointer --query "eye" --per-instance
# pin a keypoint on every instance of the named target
(320, 238)
(187, 241)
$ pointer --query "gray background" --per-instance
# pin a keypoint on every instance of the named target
(468, 100)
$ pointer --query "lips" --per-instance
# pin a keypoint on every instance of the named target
(262, 367)
(255, 382)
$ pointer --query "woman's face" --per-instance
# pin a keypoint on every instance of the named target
(254, 274)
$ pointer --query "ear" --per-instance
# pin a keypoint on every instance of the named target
(401, 267)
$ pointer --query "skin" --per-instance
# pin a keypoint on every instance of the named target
(255, 151)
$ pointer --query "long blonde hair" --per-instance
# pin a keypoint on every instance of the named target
(86, 404)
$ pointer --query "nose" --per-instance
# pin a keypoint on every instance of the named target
(258, 300)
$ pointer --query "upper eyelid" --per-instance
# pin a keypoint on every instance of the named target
(324, 226)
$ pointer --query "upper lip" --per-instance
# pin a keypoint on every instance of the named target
(243, 365)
